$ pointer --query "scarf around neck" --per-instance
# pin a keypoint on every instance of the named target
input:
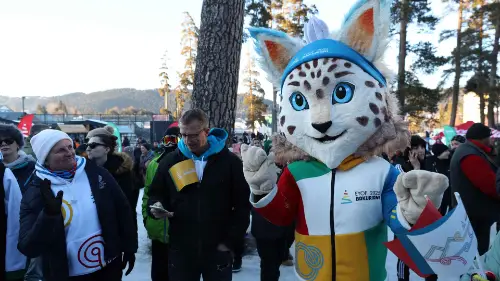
(21, 161)
(60, 177)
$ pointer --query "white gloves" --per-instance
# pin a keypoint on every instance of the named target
(259, 169)
(411, 189)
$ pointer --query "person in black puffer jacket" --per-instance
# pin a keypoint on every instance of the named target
(273, 242)
(74, 216)
(415, 157)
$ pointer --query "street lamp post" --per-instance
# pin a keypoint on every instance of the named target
(23, 98)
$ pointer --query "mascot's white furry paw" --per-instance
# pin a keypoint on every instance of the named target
(259, 169)
(411, 189)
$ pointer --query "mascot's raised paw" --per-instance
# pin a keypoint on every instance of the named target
(411, 189)
(259, 169)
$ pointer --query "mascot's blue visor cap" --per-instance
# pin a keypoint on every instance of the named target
(329, 48)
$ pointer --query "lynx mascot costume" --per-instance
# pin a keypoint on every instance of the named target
(336, 114)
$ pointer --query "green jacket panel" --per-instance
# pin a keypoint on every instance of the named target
(157, 229)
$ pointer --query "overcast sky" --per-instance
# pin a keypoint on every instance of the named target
(56, 47)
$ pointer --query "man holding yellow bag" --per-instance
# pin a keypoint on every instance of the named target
(201, 188)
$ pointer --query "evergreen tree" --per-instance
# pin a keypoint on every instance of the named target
(41, 109)
(285, 15)
(164, 91)
(473, 54)
(403, 14)
(259, 12)
(456, 57)
(256, 109)
(61, 108)
(218, 62)
(421, 103)
(189, 46)
(493, 10)
(445, 109)
(254, 95)
(291, 15)
(112, 111)
(179, 101)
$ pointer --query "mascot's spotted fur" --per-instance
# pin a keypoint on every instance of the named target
(336, 115)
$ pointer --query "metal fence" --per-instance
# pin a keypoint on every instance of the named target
(118, 119)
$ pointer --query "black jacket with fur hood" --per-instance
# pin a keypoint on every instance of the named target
(120, 165)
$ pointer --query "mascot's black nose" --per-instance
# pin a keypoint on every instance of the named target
(322, 127)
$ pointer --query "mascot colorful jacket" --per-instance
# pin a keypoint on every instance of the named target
(336, 114)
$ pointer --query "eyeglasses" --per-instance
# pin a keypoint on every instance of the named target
(195, 135)
(94, 145)
(7, 141)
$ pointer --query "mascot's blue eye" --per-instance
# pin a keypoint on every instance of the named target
(343, 93)
(298, 101)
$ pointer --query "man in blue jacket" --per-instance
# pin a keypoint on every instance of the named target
(201, 188)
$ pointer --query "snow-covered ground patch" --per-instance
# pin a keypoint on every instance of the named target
(251, 263)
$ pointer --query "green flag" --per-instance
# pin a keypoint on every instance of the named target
(449, 133)
(117, 134)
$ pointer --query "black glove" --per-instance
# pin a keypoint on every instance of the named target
(52, 203)
(130, 259)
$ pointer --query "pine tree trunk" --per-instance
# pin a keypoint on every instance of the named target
(494, 66)
(218, 61)
(456, 82)
(274, 117)
(480, 71)
(402, 53)
(482, 105)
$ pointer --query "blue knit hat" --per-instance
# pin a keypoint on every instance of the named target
(329, 48)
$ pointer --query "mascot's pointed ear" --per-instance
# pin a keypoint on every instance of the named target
(274, 50)
(366, 28)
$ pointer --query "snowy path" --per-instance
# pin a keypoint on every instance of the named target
(251, 267)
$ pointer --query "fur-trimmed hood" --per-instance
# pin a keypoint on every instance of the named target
(119, 163)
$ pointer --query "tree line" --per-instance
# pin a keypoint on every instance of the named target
(61, 108)
(475, 55)
(182, 92)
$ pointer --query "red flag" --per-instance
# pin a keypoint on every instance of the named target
(429, 215)
(25, 124)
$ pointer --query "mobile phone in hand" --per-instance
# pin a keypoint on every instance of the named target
(160, 209)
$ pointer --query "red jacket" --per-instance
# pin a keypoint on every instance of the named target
(479, 171)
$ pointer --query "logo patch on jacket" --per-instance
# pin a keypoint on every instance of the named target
(367, 195)
(346, 199)
(183, 174)
(102, 183)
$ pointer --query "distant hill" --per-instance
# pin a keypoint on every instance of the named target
(99, 102)
(93, 102)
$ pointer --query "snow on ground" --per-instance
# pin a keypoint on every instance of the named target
(251, 263)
